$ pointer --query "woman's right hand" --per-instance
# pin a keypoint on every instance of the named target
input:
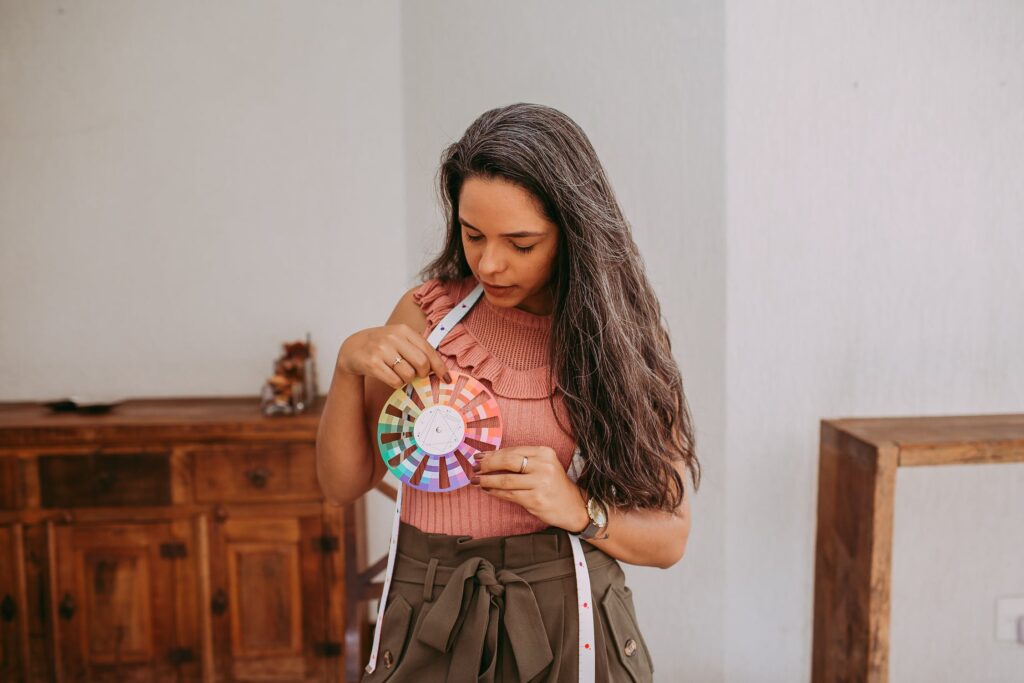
(372, 352)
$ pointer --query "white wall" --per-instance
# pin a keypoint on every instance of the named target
(186, 185)
(827, 197)
(874, 195)
(645, 83)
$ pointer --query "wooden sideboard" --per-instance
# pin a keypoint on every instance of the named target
(175, 540)
(856, 490)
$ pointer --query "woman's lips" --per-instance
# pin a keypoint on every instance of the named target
(498, 290)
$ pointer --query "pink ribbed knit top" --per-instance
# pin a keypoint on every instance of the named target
(506, 349)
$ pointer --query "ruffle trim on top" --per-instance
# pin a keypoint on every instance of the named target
(437, 298)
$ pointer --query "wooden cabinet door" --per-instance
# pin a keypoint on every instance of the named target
(13, 607)
(272, 618)
(121, 595)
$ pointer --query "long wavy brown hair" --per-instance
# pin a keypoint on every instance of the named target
(610, 354)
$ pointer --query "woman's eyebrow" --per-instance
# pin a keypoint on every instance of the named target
(521, 233)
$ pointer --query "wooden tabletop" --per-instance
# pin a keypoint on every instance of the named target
(172, 419)
(943, 439)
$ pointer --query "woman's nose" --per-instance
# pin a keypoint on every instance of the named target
(490, 262)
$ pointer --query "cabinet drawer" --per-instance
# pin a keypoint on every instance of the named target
(100, 480)
(255, 472)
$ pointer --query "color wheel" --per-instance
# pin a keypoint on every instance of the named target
(430, 430)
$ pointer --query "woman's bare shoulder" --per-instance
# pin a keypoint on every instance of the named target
(408, 311)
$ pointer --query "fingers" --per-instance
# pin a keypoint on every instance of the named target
(436, 361)
(511, 459)
(428, 358)
(419, 359)
(438, 366)
(389, 376)
(500, 469)
(414, 362)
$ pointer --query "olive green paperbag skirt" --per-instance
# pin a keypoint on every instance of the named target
(503, 608)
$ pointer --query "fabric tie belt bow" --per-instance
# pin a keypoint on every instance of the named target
(464, 619)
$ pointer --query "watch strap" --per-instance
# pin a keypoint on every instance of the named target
(593, 529)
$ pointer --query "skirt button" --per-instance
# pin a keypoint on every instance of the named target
(630, 647)
(389, 658)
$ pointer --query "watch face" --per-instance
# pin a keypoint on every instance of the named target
(597, 512)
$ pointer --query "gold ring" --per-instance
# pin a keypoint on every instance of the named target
(522, 468)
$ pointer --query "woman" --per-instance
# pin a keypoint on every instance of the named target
(597, 439)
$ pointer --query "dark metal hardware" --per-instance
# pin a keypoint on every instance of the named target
(219, 602)
(67, 607)
(328, 543)
(328, 648)
(180, 655)
(258, 477)
(8, 609)
(173, 550)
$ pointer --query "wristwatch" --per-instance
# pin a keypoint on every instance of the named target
(598, 513)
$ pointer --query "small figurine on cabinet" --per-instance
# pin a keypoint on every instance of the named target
(293, 387)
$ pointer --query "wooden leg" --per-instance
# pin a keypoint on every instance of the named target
(852, 577)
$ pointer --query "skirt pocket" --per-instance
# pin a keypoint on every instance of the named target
(630, 649)
(392, 640)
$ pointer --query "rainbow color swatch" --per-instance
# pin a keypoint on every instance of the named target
(430, 430)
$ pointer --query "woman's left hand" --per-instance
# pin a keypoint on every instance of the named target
(544, 489)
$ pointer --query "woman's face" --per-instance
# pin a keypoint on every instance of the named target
(508, 241)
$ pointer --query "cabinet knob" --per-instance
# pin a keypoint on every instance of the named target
(219, 602)
(257, 477)
(67, 606)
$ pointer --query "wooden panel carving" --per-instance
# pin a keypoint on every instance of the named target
(283, 635)
(115, 597)
(240, 472)
(111, 479)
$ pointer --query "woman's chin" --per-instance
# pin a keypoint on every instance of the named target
(501, 302)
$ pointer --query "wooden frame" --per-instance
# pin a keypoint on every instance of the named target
(858, 461)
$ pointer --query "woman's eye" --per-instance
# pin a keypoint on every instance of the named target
(522, 250)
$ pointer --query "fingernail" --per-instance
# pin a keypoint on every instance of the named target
(447, 377)
(476, 467)
(474, 480)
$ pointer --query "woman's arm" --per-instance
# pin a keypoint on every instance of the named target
(645, 537)
(653, 538)
(348, 461)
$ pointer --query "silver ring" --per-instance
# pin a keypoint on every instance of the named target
(397, 361)
(522, 468)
